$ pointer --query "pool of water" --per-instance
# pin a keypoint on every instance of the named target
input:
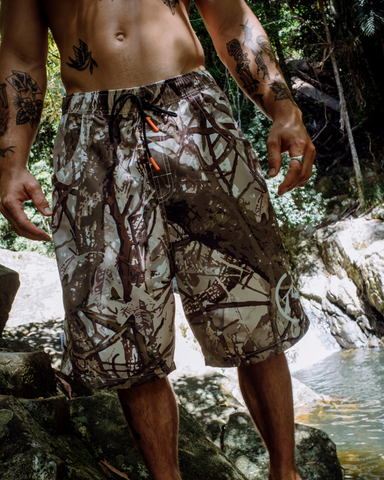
(354, 416)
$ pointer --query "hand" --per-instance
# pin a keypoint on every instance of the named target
(16, 187)
(288, 134)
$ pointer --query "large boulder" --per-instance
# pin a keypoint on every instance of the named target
(316, 455)
(228, 425)
(40, 296)
(99, 421)
(26, 374)
(340, 275)
(29, 452)
(9, 284)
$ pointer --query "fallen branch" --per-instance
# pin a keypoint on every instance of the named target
(113, 469)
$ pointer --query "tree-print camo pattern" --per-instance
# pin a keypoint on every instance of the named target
(123, 231)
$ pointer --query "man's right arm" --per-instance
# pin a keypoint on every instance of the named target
(23, 56)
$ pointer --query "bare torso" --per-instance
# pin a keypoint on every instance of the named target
(122, 43)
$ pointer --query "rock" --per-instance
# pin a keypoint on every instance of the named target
(51, 413)
(355, 249)
(28, 452)
(39, 298)
(341, 277)
(99, 421)
(310, 91)
(26, 375)
(209, 400)
(228, 425)
(39, 336)
(246, 450)
(9, 284)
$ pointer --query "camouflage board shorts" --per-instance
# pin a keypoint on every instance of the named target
(123, 230)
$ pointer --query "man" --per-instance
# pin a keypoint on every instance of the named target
(153, 180)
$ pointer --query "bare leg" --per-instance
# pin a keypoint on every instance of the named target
(152, 414)
(267, 391)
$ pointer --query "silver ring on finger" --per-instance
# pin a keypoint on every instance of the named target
(299, 159)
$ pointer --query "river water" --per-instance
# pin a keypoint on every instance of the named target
(354, 416)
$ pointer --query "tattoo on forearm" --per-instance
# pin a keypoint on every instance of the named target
(281, 91)
(171, 4)
(28, 107)
(261, 65)
(264, 44)
(83, 58)
(250, 42)
(3, 151)
(4, 109)
(250, 84)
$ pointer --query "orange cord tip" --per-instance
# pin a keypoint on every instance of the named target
(152, 124)
(154, 163)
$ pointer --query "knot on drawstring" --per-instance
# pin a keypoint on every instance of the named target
(143, 105)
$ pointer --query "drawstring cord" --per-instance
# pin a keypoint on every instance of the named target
(143, 105)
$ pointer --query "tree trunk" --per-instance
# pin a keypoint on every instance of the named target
(344, 118)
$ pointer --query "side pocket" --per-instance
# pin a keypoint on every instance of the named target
(215, 106)
(68, 153)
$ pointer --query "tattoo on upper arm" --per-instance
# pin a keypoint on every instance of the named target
(83, 58)
(28, 107)
(242, 66)
(171, 4)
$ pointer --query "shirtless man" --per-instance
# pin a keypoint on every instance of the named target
(153, 180)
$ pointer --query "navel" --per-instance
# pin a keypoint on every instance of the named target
(120, 37)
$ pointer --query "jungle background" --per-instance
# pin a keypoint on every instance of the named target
(304, 48)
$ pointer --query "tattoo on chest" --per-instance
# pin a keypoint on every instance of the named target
(83, 58)
(28, 106)
(171, 4)
(250, 84)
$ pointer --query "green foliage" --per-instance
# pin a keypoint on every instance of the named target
(374, 193)
(302, 206)
(369, 16)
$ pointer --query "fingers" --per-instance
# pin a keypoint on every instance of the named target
(298, 173)
(11, 206)
(37, 196)
(274, 155)
(14, 213)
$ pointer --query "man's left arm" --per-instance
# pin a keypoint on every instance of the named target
(244, 48)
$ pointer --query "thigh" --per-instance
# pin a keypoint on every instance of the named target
(113, 258)
(230, 264)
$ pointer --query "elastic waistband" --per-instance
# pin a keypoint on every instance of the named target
(163, 94)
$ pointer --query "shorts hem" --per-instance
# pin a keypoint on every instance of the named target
(119, 383)
(256, 357)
